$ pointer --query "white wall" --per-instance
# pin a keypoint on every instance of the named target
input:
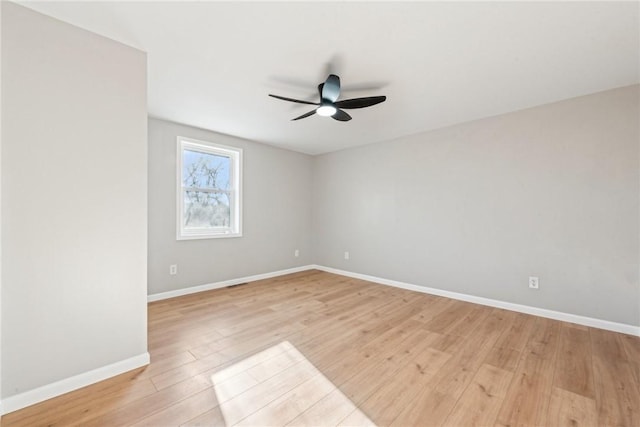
(276, 214)
(551, 191)
(74, 201)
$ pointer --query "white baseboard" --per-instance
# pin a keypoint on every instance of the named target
(550, 314)
(225, 283)
(31, 397)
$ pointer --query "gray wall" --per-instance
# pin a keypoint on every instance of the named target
(276, 214)
(1, 411)
(74, 201)
(476, 208)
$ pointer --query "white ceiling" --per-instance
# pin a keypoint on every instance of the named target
(211, 65)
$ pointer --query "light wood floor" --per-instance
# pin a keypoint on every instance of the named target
(318, 349)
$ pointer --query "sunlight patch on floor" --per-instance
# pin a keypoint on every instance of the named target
(278, 387)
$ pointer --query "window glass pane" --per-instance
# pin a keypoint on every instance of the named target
(205, 209)
(209, 184)
(205, 170)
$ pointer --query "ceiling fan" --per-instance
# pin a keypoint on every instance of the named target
(329, 106)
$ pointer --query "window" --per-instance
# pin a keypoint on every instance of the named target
(209, 190)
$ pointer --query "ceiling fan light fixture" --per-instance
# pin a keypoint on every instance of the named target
(326, 110)
(329, 106)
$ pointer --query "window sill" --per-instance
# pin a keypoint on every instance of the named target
(208, 236)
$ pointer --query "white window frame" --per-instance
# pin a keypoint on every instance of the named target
(235, 154)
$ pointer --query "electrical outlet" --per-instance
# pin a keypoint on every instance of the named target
(346, 255)
(534, 282)
(173, 269)
(296, 253)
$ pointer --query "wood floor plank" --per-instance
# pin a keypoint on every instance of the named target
(274, 365)
(63, 410)
(381, 371)
(528, 396)
(608, 346)
(430, 405)
(181, 412)
(445, 321)
(234, 367)
(186, 371)
(631, 346)
(357, 419)
(329, 410)
(617, 396)
(574, 369)
(518, 333)
(314, 348)
(616, 393)
(571, 409)
(386, 402)
(469, 322)
(287, 407)
(503, 358)
(458, 372)
(211, 418)
(481, 401)
(544, 338)
(254, 399)
(451, 344)
(233, 386)
(167, 363)
(130, 413)
(432, 307)
(399, 345)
